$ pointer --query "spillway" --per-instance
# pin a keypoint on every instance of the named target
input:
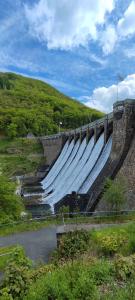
(80, 160)
(75, 169)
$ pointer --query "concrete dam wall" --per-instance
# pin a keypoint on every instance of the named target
(80, 160)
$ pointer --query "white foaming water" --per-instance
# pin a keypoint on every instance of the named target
(97, 169)
(79, 167)
(88, 165)
(55, 166)
(72, 172)
(63, 161)
(63, 171)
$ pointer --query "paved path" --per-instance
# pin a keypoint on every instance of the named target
(40, 244)
(71, 227)
(37, 244)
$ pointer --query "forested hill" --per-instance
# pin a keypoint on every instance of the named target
(29, 105)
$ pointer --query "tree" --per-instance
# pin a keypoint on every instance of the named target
(115, 193)
(10, 204)
(12, 130)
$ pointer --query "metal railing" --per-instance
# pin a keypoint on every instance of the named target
(72, 216)
(83, 128)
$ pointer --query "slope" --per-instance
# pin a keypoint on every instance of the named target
(29, 105)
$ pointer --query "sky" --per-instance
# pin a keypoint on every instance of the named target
(85, 49)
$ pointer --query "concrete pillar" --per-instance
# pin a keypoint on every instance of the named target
(106, 130)
(97, 132)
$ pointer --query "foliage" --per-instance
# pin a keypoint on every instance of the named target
(41, 271)
(72, 244)
(6, 252)
(109, 244)
(64, 210)
(115, 193)
(17, 277)
(124, 266)
(88, 277)
(70, 282)
(10, 204)
(20, 156)
(29, 105)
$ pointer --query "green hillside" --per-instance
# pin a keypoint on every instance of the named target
(29, 105)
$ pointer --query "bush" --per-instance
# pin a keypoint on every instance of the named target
(10, 204)
(109, 243)
(131, 235)
(72, 244)
(115, 193)
(124, 267)
(17, 279)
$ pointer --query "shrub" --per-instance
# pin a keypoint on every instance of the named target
(42, 271)
(64, 211)
(110, 243)
(10, 204)
(115, 193)
(72, 244)
(131, 235)
(17, 280)
(124, 267)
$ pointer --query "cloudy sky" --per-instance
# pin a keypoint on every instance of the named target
(80, 47)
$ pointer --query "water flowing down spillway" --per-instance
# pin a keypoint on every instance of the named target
(97, 168)
(76, 168)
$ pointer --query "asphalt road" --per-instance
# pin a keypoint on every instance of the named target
(38, 245)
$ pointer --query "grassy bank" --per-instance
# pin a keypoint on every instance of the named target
(25, 226)
(5, 253)
(33, 225)
(20, 156)
(29, 105)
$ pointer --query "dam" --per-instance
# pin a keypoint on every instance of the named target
(79, 161)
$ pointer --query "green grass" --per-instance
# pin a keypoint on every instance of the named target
(25, 226)
(4, 259)
(36, 225)
(20, 156)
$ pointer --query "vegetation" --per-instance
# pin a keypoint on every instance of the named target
(11, 227)
(16, 281)
(20, 156)
(29, 105)
(94, 265)
(10, 204)
(5, 253)
(115, 193)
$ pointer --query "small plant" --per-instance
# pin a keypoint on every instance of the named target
(110, 243)
(115, 193)
(64, 211)
(72, 244)
(16, 281)
(124, 266)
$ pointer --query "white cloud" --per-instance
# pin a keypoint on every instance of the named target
(126, 25)
(66, 24)
(108, 39)
(103, 98)
(124, 28)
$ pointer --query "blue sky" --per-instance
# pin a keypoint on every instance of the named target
(77, 46)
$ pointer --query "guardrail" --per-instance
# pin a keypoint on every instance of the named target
(91, 125)
(71, 216)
